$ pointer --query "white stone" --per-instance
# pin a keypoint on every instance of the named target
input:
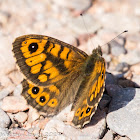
(32, 115)
(108, 135)
(14, 104)
(3, 93)
(21, 117)
(18, 90)
(4, 119)
(124, 111)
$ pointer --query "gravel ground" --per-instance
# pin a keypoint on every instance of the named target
(117, 117)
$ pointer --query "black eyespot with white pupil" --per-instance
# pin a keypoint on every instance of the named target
(33, 47)
(42, 99)
(88, 109)
(35, 90)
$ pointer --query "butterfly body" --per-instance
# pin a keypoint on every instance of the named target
(58, 74)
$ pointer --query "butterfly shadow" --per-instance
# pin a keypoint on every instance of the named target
(115, 97)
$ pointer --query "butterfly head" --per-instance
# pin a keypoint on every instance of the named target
(97, 51)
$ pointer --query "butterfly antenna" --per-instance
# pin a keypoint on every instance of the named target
(86, 29)
(115, 37)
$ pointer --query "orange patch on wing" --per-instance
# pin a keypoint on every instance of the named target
(64, 53)
(96, 92)
(78, 112)
(53, 88)
(68, 64)
(30, 85)
(71, 55)
(50, 47)
(53, 71)
(92, 89)
(35, 69)
(85, 101)
(48, 65)
(55, 50)
(98, 66)
(82, 113)
(52, 103)
(42, 78)
(91, 97)
(36, 59)
(59, 77)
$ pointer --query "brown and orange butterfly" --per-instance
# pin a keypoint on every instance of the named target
(58, 74)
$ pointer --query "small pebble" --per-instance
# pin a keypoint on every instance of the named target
(18, 90)
(4, 119)
(32, 115)
(21, 117)
(3, 93)
(14, 104)
(108, 135)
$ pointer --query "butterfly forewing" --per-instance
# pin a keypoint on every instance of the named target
(45, 60)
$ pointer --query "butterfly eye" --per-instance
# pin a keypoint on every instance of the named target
(35, 90)
(42, 99)
(33, 47)
(88, 109)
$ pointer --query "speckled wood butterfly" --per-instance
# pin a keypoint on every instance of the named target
(58, 74)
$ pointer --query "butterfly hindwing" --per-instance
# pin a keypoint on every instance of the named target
(53, 98)
(97, 86)
(45, 60)
(91, 89)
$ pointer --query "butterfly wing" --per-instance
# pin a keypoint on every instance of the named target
(54, 98)
(44, 60)
(91, 89)
(55, 76)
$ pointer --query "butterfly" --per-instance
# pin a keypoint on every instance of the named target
(58, 74)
